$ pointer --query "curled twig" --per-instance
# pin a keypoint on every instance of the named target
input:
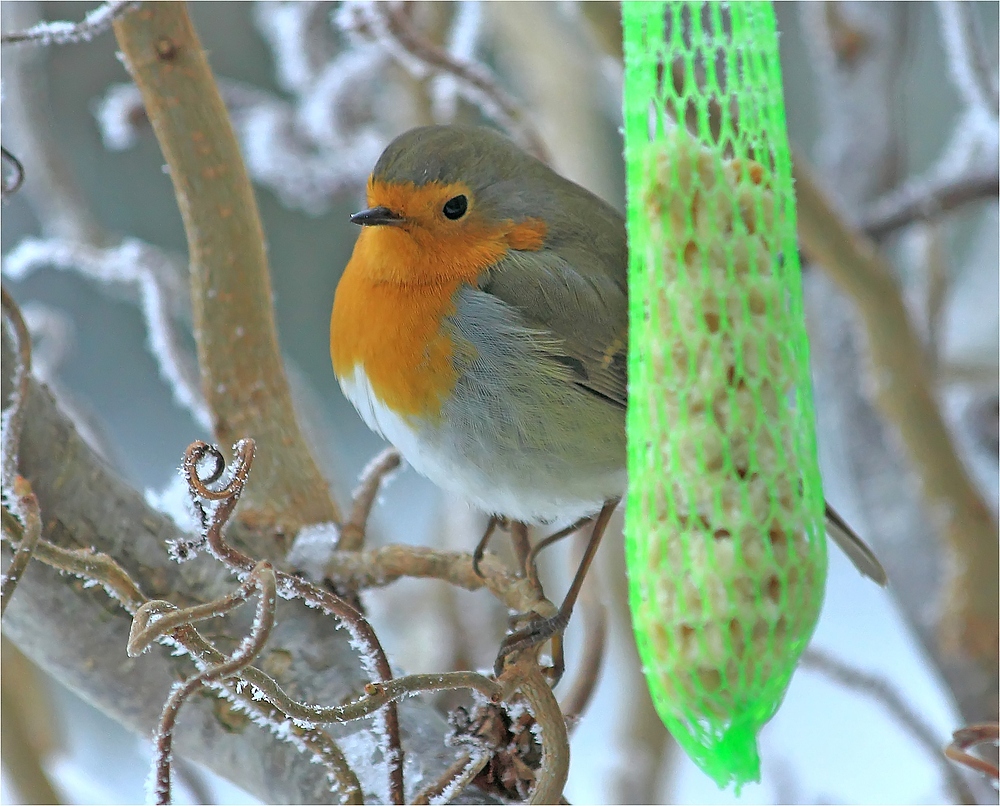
(352, 532)
(373, 656)
(964, 738)
(157, 617)
(13, 184)
(62, 33)
(262, 577)
(472, 79)
(884, 693)
(104, 570)
(454, 780)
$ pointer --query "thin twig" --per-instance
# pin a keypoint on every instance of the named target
(888, 696)
(318, 742)
(472, 79)
(376, 696)
(924, 201)
(263, 579)
(26, 508)
(289, 585)
(964, 738)
(62, 33)
(84, 563)
(904, 391)
(17, 490)
(153, 274)
(352, 532)
(157, 617)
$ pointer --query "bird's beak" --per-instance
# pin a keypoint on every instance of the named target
(376, 217)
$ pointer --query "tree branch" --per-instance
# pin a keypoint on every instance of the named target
(917, 202)
(243, 377)
(64, 33)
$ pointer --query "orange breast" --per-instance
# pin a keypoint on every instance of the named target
(398, 288)
(394, 333)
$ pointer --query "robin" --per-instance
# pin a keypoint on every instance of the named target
(481, 327)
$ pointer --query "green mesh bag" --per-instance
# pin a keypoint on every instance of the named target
(725, 545)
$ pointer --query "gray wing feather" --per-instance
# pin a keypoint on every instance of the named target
(586, 313)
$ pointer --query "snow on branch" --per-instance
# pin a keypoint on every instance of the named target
(62, 33)
(391, 28)
(137, 264)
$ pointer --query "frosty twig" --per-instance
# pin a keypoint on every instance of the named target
(226, 498)
(928, 201)
(18, 496)
(352, 531)
(63, 33)
(261, 578)
(392, 25)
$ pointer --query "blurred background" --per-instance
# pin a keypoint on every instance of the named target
(879, 97)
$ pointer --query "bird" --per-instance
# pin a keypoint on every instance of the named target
(481, 327)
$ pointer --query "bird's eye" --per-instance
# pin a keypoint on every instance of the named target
(455, 207)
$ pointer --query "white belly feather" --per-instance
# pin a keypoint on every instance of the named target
(513, 485)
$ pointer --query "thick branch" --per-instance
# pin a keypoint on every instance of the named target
(242, 374)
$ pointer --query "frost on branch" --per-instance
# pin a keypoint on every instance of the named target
(161, 294)
(63, 33)
(336, 66)
(309, 149)
(310, 553)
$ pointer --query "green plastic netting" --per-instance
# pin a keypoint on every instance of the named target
(724, 522)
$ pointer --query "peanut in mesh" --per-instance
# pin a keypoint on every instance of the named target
(730, 578)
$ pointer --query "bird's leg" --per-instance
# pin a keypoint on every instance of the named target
(521, 543)
(542, 630)
(532, 561)
(477, 555)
